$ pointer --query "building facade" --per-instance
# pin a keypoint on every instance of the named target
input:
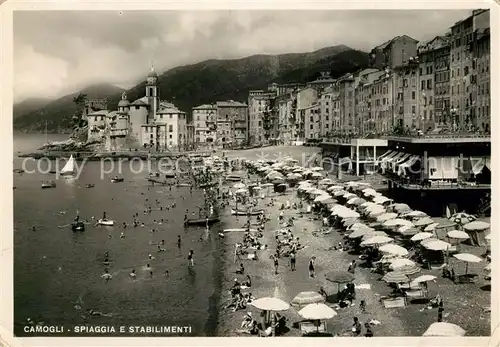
(232, 126)
(204, 121)
(393, 53)
(263, 122)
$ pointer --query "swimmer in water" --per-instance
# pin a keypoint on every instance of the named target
(148, 267)
(107, 276)
(122, 235)
(133, 274)
(191, 257)
(179, 241)
(167, 273)
(151, 257)
(151, 274)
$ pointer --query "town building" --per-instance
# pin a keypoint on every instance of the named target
(362, 120)
(407, 98)
(393, 53)
(232, 126)
(381, 104)
(305, 99)
(481, 81)
(326, 104)
(147, 122)
(346, 103)
(312, 122)
(204, 121)
(260, 111)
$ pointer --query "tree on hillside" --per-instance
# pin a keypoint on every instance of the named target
(77, 120)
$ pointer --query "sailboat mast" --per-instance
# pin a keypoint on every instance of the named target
(46, 136)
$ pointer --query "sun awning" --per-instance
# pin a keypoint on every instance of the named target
(396, 157)
(443, 168)
(386, 154)
(393, 154)
(408, 163)
(477, 165)
(399, 161)
(488, 163)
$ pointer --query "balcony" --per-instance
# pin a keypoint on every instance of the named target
(118, 132)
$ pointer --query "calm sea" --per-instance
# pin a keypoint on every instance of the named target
(55, 268)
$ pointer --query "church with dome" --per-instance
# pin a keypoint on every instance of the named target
(147, 122)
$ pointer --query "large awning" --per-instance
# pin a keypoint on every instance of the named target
(386, 154)
(396, 157)
(407, 164)
(477, 165)
(488, 163)
(399, 161)
(443, 168)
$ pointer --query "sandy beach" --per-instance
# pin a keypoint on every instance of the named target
(464, 304)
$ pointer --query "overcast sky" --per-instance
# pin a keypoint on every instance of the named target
(58, 52)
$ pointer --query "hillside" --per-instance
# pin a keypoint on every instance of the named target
(29, 105)
(212, 80)
(58, 112)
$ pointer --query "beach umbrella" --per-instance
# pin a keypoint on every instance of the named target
(381, 199)
(333, 188)
(321, 198)
(239, 185)
(377, 240)
(431, 227)
(386, 216)
(329, 201)
(397, 263)
(395, 277)
(401, 208)
(409, 269)
(294, 176)
(358, 201)
(444, 329)
(316, 175)
(416, 214)
(325, 181)
(397, 222)
(457, 234)
(467, 258)
(476, 226)
(348, 195)
(487, 237)
(351, 201)
(316, 168)
(436, 245)
(462, 218)
(267, 185)
(270, 304)
(369, 192)
(359, 233)
(339, 276)
(368, 203)
(372, 233)
(407, 230)
(298, 170)
(339, 192)
(421, 236)
(358, 225)
(423, 278)
(394, 249)
(241, 191)
(349, 221)
(306, 298)
(317, 311)
(423, 221)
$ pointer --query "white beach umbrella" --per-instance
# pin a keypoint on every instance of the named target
(415, 214)
(381, 199)
(458, 234)
(377, 240)
(369, 192)
(476, 226)
(386, 216)
(431, 227)
(241, 191)
(358, 233)
(397, 222)
(270, 304)
(444, 329)
(423, 278)
(334, 188)
(396, 263)
(239, 185)
(358, 225)
(436, 245)
(423, 221)
(394, 249)
(316, 168)
(317, 312)
(467, 257)
(322, 197)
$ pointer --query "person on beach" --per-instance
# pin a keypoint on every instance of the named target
(133, 275)
(440, 311)
(369, 332)
(362, 306)
(241, 270)
(311, 267)
(292, 261)
(352, 267)
(107, 276)
(356, 327)
(276, 264)
(190, 257)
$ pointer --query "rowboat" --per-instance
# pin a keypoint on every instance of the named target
(78, 226)
(183, 185)
(170, 174)
(90, 185)
(106, 222)
(233, 178)
(245, 213)
(117, 179)
(50, 184)
(201, 221)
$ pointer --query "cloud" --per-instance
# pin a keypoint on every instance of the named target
(58, 52)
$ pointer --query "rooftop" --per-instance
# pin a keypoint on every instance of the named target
(231, 103)
(205, 107)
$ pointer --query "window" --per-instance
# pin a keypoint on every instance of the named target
(311, 127)
(170, 128)
(452, 73)
(458, 89)
(137, 107)
(422, 85)
(170, 136)
(430, 100)
(466, 71)
(413, 95)
(413, 109)
(429, 84)
(425, 114)
(458, 72)
(197, 117)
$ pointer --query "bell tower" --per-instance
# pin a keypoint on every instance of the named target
(152, 93)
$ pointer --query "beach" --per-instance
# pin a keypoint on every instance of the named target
(464, 304)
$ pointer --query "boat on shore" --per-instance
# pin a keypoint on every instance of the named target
(90, 185)
(78, 226)
(246, 213)
(233, 178)
(239, 230)
(183, 185)
(154, 174)
(201, 221)
(170, 174)
(117, 179)
(50, 184)
(106, 222)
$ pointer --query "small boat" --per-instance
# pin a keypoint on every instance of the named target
(245, 213)
(183, 185)
(201, 221)
(53, 171)
(50, 184)
(107, 222)
(154, 174)
(90, 185)
(170, 174)
(78, 226)
(18, 170)
(240, 230)
(70, 168)
(117, 179)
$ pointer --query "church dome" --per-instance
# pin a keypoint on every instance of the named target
(152, 73)
(123, 103)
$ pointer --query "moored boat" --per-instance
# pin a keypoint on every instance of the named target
(183, 185)
(245, 213)
(90, 185)
(70, 168)
(117, 179)
(201, 221)
(78, 226)
(106, 222)
(170, 174)
(50, 184)
(233, 178)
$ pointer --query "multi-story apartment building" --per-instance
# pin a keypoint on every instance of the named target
(362, 92)
(204, 120)
(393, 53)
(305, 99)
(463, 63)
(232, 118)
(312, 122)
(323, 81)
(433, 63)
(346, 103)
(260, 111)
(285, 122)
(481, 98)
(407, 96)
(441, 90)
(326, 99)
(382, 103)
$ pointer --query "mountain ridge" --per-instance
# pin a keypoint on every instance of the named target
(214, 79)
